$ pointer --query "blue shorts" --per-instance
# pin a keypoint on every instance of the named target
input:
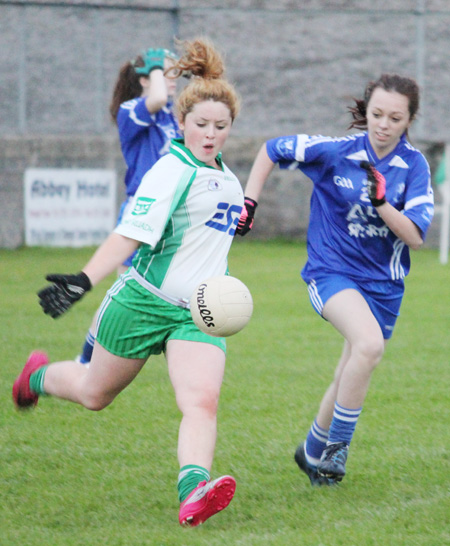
(383, 297)
(123, 208)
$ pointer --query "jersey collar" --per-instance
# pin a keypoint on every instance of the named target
(178, 148)
(373, 158)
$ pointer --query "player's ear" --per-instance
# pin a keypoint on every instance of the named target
(144, 82)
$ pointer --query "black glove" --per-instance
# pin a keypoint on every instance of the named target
(246, 220)
(57, 298)
(376, 184)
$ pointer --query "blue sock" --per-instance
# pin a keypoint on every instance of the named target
(343, 424)
(88, 347)
(316, 442)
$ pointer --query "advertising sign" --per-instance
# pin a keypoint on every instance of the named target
(69, 207)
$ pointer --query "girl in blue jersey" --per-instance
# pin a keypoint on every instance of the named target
(371, 201)
(142, 107)
(146, 310)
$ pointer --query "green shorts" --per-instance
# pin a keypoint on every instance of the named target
(134, 323)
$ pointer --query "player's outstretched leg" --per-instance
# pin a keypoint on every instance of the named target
(310, 470)
(205, 500)
(332, 462)
(22, 395)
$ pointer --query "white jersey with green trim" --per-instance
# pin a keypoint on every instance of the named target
(185, 215)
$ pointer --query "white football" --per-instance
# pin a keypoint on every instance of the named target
(221, 306)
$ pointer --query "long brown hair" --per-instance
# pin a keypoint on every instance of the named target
(127, 85)
(389, 82)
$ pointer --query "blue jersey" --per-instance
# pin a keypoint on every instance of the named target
(144, 138)
(345, 234)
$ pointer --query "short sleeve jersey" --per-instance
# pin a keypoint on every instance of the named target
(144, 138)
(346, 234)
(185, 214)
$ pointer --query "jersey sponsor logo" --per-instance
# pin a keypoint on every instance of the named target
(214, 185)
(361, 213)
(359, 225)
(226, 218)
(142, 206)
(343, 182)
(139, 225)
(364, 193)
(360, 231)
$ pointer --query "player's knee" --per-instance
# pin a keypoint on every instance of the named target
(205, 402)
(96, 401)
(371, 350)
(211, 402)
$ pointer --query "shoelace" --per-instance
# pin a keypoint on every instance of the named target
(336, 451)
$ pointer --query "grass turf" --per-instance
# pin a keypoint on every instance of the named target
(71, 477)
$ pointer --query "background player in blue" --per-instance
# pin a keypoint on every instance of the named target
(146, 310)
(372, 201)
(142, 106)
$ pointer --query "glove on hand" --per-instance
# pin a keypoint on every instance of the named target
(245, 223)
(376, 184)
(153, 58)
(57, 298)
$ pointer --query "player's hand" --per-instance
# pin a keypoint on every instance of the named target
(153, 58)
(246, 220)
(64, 291)
(376, 184)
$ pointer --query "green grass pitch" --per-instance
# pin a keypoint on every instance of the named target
(72, 477)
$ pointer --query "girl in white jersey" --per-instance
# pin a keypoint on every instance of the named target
(177, 222)
(371, 202)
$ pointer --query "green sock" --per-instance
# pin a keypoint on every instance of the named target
(37, 380)
(188, 479)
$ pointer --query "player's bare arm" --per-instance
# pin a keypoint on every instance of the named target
(261, 169)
